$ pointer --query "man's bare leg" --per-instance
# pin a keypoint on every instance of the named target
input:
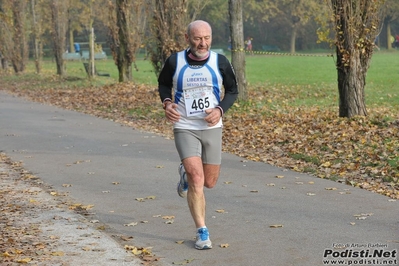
(199, 175)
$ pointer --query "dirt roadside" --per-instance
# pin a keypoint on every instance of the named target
(38, 228)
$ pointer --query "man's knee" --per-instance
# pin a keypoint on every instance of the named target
(209, 184)
(211, 173)
(210, 181)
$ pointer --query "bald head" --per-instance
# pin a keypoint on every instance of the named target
(198, 24)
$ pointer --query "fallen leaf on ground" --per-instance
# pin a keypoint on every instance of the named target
(131, 224)
(330, 188)
(25, 260)
(57, 253)
(276, 226)
(126, 238)
(184, 262)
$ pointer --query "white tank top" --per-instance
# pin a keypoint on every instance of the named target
(196, 88)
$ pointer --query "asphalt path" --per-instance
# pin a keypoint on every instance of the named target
(257, 214)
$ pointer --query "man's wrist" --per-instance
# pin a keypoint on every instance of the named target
(166, 102)
(220, 109)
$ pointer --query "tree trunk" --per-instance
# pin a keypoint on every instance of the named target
(293, 39)
(238, 47)
(127, 23)
(20, 49)
(92, 67)
(122, 49)
(36, 39)
(122, 20)
(4, 63)
(59, 22)
(356, 24)
(71, 42)
(351, 83)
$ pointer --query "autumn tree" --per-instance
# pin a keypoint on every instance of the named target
(127, 20)
(237, 42)
(79, 15)
(88, 20)
(258, 14)
(5, 34)
(37, 31)
(168, 24)
(13, 37)
(20, 51)
(356, 24)
(58, 10)
(196, 7)
(297, 13)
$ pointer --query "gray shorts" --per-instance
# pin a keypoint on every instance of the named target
(206, 144)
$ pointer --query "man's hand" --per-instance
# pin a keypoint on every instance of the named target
(213, 116)
(170, 112)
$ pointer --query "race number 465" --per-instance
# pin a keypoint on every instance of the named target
(200, 104)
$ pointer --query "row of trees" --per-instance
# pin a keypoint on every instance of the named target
(160, 26)
(300, 24)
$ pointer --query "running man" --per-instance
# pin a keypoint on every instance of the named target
(198, 79)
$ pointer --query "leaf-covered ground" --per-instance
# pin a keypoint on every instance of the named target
(39, 226)
(362, 151)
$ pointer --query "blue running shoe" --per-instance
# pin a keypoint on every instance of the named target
(182, 186)
(203, 241)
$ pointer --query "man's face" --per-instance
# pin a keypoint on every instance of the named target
(200, 39)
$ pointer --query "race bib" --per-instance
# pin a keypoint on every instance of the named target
(198, 100)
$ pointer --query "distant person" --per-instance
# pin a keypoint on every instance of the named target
(249, 45)
(396, 43)
(77, 47)
(392, 40)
